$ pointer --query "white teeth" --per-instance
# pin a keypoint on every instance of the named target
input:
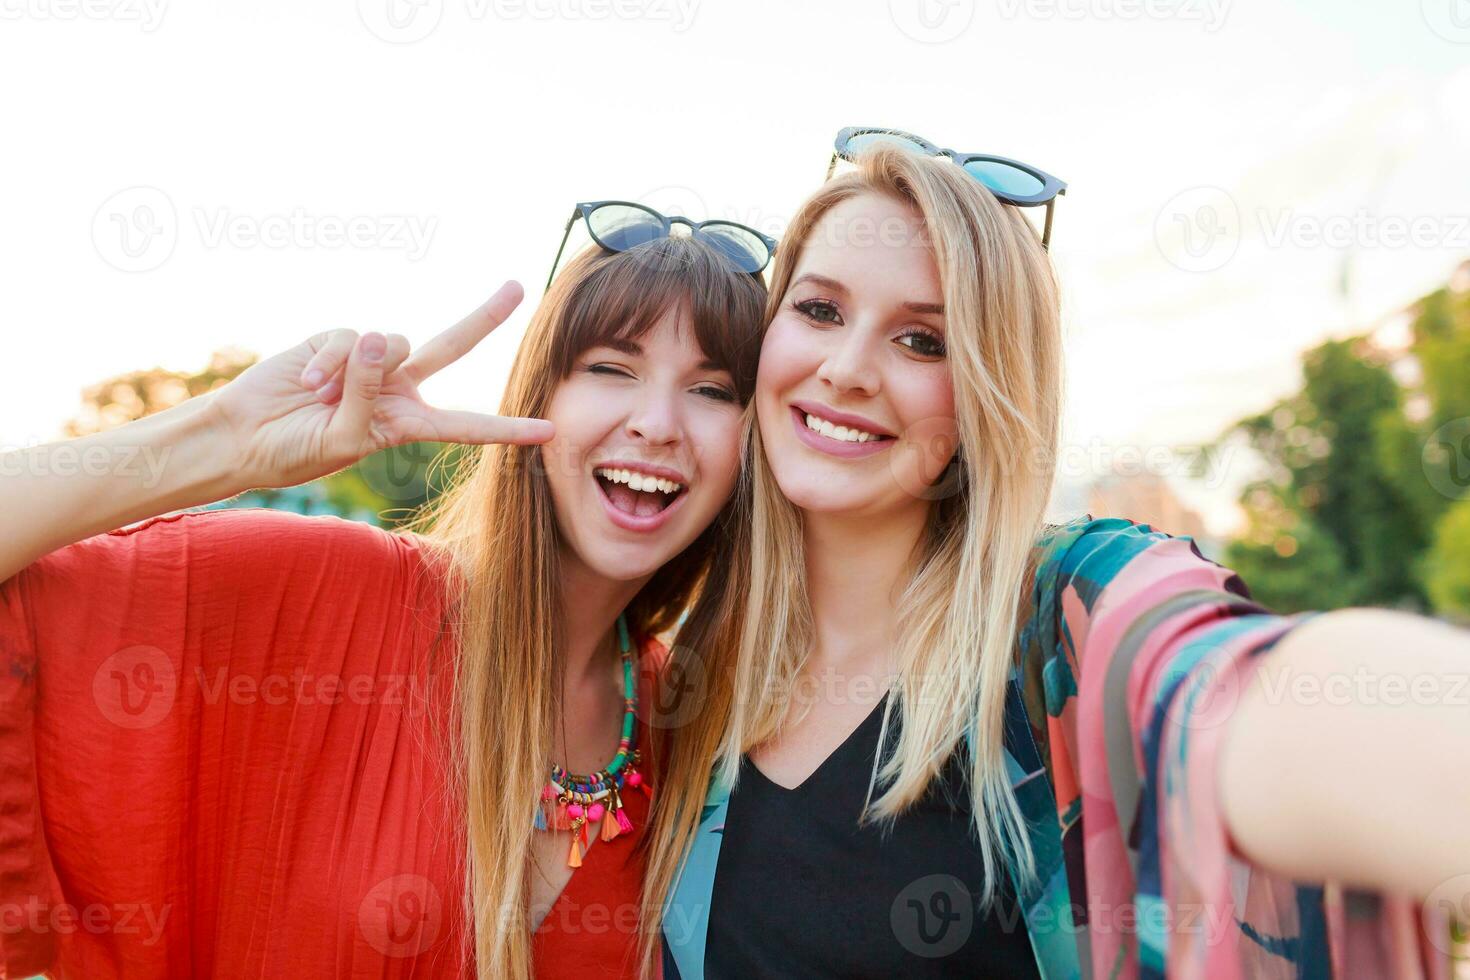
(639, 481)
(839, 432)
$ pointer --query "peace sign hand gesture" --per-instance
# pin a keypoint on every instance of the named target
(337, 397)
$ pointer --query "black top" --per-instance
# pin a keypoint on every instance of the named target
(802, 891)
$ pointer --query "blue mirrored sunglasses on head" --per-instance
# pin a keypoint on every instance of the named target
(621, 225)
(1009, 180)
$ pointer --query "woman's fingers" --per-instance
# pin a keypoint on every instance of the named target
(326, 365)
(461, 338)
(360, 387)
(397, 353)
(329, 359)
(473, 428)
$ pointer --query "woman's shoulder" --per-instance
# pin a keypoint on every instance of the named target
(208, 556)
(270, 538)
(1090, 551)
(262, 525)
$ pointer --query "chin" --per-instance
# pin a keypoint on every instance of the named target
(624, 563)
(809, 489)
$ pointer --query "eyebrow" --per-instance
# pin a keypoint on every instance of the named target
(632, 349)
(822, 281)
(837, 287)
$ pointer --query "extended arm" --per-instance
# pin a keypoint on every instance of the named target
(304, 413)
(1344, 758)
(61, 492)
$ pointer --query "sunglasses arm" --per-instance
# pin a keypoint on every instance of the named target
(564, 236)
(1046, 232)
(831, 166)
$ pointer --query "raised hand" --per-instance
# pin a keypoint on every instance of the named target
(339, 396)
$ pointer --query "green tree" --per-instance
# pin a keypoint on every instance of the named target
(1368, 466)
(1446, 569)
(1328, 504)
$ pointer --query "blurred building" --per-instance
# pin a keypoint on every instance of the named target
(1148, 499)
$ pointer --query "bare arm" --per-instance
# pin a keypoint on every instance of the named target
(304, 413)
(61, 492)
(1344, 759)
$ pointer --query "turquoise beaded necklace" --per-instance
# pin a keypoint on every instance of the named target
(572, 802)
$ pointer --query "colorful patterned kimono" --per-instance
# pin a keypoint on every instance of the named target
(1134, 650)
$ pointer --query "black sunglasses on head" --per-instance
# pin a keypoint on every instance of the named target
(1009, 180)
(620, 225)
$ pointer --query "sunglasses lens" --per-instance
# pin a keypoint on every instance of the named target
(1004, 179)
(620, 227)
(862, 141)
(737, 243)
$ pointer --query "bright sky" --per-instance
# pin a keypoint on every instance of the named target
(182, 177)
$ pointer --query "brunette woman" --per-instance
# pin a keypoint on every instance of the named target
(253, 744)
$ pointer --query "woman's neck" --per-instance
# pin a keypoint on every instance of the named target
(856, 569)
(590, 606)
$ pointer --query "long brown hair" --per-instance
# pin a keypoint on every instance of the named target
(958, 614)
(495, 526)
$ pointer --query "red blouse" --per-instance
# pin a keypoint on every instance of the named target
(217, 758)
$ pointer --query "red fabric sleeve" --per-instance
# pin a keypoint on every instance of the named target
(207, 752)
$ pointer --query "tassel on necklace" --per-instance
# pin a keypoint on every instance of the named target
(593, 804)
(625, 826)
(610, 827)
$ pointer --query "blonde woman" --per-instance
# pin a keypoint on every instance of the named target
(254, 744)
(959, 742)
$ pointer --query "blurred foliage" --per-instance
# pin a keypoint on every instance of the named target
(1366, 497)
(384, 488)
(1447, 565)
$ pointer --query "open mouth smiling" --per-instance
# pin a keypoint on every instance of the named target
(639, 496)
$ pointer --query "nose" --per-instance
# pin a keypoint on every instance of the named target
(654, 417)
(850, 364)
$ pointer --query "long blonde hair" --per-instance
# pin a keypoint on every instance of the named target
(495, 528)
(958, 615)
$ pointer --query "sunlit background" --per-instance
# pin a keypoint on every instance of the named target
(188, 185)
